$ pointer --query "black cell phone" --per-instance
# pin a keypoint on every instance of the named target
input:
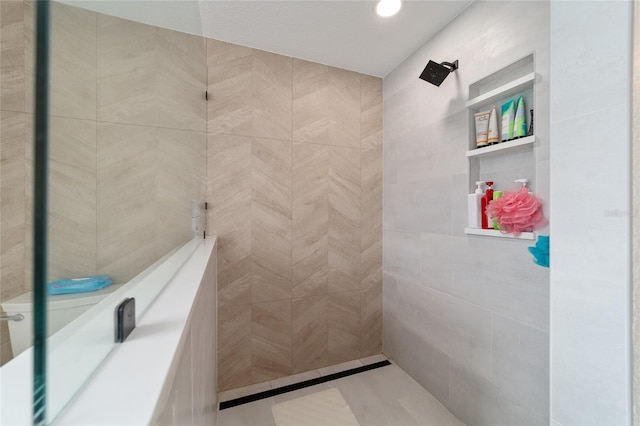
(125, 319)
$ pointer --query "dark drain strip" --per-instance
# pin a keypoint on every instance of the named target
(301, 385)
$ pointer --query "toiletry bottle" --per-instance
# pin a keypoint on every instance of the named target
(473, 205)
(488, 196)
(496, 195)
(525, 184)
(493, 131)
(520, 123)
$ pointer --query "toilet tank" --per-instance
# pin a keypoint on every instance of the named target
(61, 310)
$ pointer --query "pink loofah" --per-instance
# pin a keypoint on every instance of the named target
(517, 212)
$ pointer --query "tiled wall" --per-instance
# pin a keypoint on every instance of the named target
(127, 144)
(14, 30)
(466, 316)
(591, 270)
(295, 191)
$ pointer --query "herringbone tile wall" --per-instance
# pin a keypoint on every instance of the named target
(295, 190)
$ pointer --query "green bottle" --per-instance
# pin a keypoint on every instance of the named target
(496, 195)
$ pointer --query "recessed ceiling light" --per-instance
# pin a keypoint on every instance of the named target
(387, 8)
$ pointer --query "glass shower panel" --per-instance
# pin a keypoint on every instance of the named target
(126, 169)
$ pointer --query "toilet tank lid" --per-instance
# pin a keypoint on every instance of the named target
(23, 303)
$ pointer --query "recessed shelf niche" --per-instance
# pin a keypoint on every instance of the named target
(506, 161)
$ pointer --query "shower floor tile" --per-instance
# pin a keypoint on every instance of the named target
(380, 397)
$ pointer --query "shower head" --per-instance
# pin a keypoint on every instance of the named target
(435, 73)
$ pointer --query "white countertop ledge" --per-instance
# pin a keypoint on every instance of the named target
(127, 387)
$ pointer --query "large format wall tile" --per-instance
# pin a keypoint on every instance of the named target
(29, 12)
(126, 72)
(310, 249)
(344, 108)
(344, 219)
(271, 220)
(424, 362)
(234, 346)
(127, 158)
(520, 363)
(229, 86)
(272, 95)
(371, 218)
(270, 340)
(229, 214)
(73, 62)
(459, 329)
(371, 319)
(310, 102)
(181, 80)
(310, 333)
(371, 112)
(519, 291)
(12, 56)
(478, 401)
(12, 203)
(344, 326)
(371, 251)
(72, 198)
(180, 185)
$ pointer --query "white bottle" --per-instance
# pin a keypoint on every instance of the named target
(525, 184)
(474, 207)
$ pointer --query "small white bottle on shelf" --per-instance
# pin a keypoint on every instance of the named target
(474, 207)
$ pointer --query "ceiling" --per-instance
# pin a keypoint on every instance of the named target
(345, 34)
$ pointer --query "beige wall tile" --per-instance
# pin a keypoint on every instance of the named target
(12, 215)
(310, 333)
(12, 59)
(6, 354)
(271, 95)
(270, 340)
(371, 218)
(271, 220)
(29, 17)
(344, 326)
(126, 72)
(180, 184)
(28, 213)
(371, 319)
(344, 219)
(229, 86)
(335, 191)
(12, 204)
(344, 108)
(370, 112)
(181, 80)
(229, 214)
(310, 102)
(127, 158)
(73, 62)
(310, 212)
(234, 346)
(72, 198)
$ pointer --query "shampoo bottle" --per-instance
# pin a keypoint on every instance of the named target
(474, 206)
(488, 197)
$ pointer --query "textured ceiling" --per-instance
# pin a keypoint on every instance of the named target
(344, 34)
